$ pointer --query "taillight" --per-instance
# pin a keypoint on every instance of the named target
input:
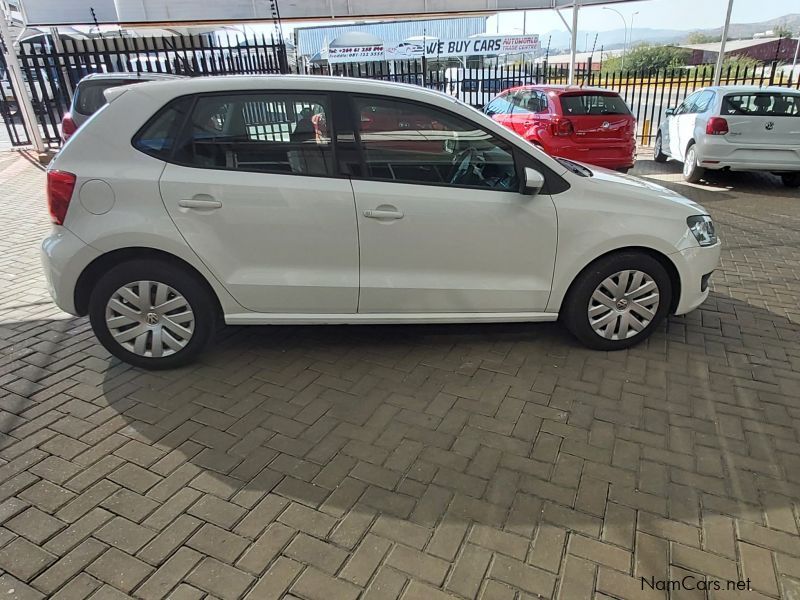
(60, 186)
(717, 126)
(68, 127)
(561, 127)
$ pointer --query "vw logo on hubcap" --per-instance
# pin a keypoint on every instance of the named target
(622, 304)
(151, 318)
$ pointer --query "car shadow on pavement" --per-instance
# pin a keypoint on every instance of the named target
(433, 436)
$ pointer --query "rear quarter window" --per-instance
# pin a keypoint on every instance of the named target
(157, 136)
(761, 104)
(593, 104)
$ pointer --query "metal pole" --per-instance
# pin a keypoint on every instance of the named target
(721, 56)
(15, 76)
(794, 61)
(575, 8)
(624, 34)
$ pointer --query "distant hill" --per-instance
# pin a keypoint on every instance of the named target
(614, 38)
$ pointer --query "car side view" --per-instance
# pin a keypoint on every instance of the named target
(590, 125)
(734, 128)
(288, 200)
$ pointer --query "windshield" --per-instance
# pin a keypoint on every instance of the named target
(761, 105)
(574, 167)
(593, 104)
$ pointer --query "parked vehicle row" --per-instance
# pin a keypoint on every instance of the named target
(331, 200)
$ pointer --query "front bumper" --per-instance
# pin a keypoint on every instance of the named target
(694, 265)
(64, 257)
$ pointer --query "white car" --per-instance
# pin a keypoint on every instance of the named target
(734, 127)
(269, 200)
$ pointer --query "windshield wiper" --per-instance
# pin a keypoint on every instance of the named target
(575, 167)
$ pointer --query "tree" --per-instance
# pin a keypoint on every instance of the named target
(645, 57)
(782, 31)
(698, 37)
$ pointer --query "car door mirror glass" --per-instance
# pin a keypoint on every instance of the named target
(533, 182)
(670, 111)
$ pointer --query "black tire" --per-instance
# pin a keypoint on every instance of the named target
(658, 152)
(575, 310)
(623, 170)
(691, 171)
(791, 180)
(195, 292)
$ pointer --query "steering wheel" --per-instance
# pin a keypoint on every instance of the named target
(463, 163)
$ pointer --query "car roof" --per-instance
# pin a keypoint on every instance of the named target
(727, 89)
(124, 76)
(322, 83)
(557, 90)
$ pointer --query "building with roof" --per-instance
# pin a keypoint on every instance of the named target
(312, 40)
(765, 49)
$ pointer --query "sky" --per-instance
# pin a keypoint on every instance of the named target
(657, 14)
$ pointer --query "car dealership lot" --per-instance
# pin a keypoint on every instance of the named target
(475, 459)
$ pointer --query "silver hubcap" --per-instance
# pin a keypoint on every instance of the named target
(688, 164)
(623, 305)
(150, 319)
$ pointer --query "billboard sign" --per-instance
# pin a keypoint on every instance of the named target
(476, 46)
(356, 54)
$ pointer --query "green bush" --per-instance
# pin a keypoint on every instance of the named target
(645, 57)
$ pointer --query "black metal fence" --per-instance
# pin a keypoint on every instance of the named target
(647, 92)
(9, 105)
(52, 67)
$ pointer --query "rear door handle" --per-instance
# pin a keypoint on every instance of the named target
(383, 213)
(200, 203)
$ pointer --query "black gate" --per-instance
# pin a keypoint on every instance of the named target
(10, 107)
(53, 67)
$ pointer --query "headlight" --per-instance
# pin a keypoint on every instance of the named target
(702, 227)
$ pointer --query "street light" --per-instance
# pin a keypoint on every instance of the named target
(624, 33)
(630, 36)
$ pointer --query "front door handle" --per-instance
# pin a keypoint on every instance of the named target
(206, 203)
(384, 212)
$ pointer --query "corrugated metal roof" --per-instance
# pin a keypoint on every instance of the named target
(311, 39)
(731, 45)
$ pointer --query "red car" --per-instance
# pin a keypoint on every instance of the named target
(590, 125)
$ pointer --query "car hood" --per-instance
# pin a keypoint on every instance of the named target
(638, 189)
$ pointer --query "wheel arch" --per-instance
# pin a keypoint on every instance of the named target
(94, 270)
(663, 259)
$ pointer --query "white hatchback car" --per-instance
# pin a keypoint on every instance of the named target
(268, 200)
(734, 127)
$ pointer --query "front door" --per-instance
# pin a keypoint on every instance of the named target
(442, 225)
(253, 195)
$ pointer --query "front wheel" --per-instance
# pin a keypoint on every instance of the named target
(658, 150)
(791, 180)
(152, 314)
(691, 171)
(617, 301)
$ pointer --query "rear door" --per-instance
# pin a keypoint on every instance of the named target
(251, 188)
(598, 118)
(763, 118)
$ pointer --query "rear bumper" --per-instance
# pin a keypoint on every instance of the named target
(722, 154)
(611, 156)
(64, 257)
(694, 266)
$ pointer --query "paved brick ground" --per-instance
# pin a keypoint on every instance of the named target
(416, 462)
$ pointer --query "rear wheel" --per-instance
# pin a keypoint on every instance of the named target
(791, 180)
(658, 151)
(617, 301)
(623, 169)
(152, 314)
(691, 171)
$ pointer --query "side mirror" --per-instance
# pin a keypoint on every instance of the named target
(669, 112)
(534, 182)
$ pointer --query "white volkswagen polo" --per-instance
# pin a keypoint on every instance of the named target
(736, 128)
(329, 200)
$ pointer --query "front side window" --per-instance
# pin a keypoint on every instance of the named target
(263, 132)
(762, 104)
(686, 105)
(413, 143)
(593, 104)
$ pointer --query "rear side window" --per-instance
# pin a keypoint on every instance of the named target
(762, 104)
(89, 97)
(593, 104)
(262, 132)
(157, 137)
